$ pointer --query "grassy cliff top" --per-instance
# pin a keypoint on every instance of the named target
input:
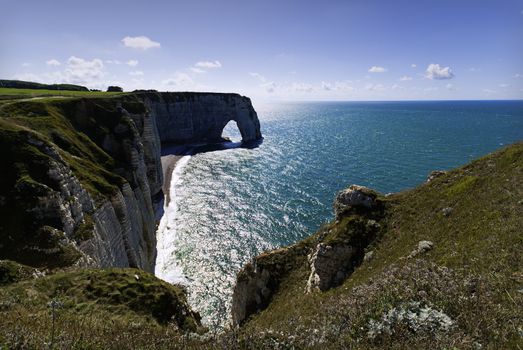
(7, 94)
(91, 308)
(37, 134)
(473, 275)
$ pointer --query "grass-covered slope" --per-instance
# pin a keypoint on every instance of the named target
(466, 292)
(8, 94)
(30, 133)
(104, 308)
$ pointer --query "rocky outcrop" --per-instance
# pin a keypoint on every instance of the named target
(423, 247)
(330, 255)
(341, 251)
(327, 265)
(258, 280)
(251, 293)
(355, 197)
(334, 259)
(435, 174)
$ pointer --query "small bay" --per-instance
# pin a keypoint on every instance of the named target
(230, 205)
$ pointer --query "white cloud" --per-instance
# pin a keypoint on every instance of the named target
(302, 87)
(77, 71)
(377, 69)
(140, 42)
(396, 87)
(269, 87)
(201, 66)
(413, 65)
(258, 76)
(375, 87)
(208, 64)
(80, 70)
(136, 73)
(504, 85)
(326, 86)
(132, 63)
(489, 91)
(435, 71)
(53, 62)
(113, 62)
(197, 70)
(405, 78)
(340, 86)
(517, 75)
(450, 87)
(26, 64)
(180, 79)
(27, 77)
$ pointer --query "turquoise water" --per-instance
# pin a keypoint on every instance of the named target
(230, 205)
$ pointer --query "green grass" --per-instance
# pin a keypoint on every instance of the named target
(107, 308)
(30, 132)
(473, 274)
(13, 93)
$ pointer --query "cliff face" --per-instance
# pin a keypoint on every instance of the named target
(84, 175)
(201, 117)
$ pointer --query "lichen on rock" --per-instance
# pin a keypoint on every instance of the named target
(355, 197)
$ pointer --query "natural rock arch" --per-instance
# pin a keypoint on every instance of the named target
(201, 117)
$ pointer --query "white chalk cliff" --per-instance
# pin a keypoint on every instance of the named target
(118, 228)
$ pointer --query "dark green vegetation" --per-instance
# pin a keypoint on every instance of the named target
(114, 89)
(93, 308)
(31, 132)
(19, 84)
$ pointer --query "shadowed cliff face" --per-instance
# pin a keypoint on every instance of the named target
(201, 117)
(84, 176)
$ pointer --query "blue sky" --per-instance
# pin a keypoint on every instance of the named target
(272, 50)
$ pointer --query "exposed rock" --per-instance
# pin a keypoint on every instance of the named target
(435, 174)
(423, 247)
(11, 272)
(258, 280)
(328, 266)
(446, 211)
(355, 197)
(368, 256)
(373, 224)
(343, 247)
(250, 295)
(201, 117)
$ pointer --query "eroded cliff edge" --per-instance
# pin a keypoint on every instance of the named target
(83, 176)
(437, 266)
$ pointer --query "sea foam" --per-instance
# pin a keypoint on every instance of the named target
(166, 267)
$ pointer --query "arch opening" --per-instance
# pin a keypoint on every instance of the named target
(231, 132)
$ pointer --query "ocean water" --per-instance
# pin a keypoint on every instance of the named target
(230, 205)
